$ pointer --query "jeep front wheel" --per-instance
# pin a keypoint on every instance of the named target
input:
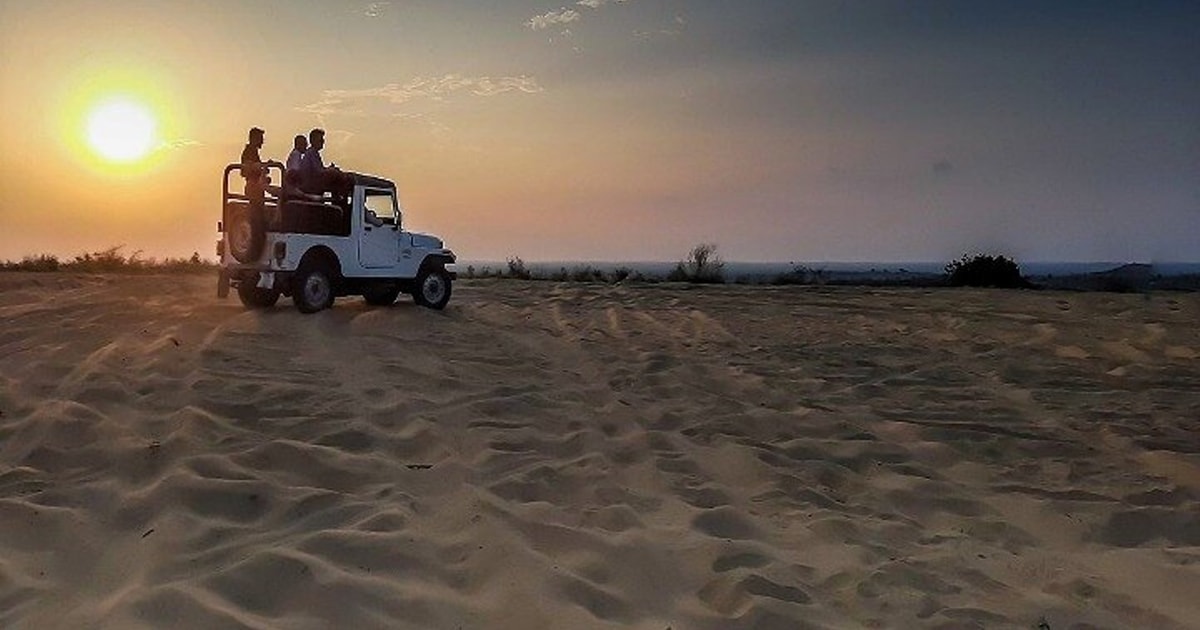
(313, 289)
(432, 288)
(255, 297)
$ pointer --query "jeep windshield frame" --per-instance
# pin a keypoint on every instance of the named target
(371, 192)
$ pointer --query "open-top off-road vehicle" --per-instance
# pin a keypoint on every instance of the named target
(316, 250)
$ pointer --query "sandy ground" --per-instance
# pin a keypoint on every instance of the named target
(577, 456)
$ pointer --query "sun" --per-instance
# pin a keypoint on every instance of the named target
(121, 130)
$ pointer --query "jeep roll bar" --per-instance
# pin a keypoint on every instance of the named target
(226, 195)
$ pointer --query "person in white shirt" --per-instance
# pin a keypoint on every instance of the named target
(297, 155)
(292, 184)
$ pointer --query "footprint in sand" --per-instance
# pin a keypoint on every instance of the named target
(1071, 352)
(732, 597)
(1045, 332)
(1124, 351)
(1180, 352)
(1154, 334)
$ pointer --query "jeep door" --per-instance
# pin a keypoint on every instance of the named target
(379, 231)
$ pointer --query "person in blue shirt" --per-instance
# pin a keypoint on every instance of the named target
(318, 179)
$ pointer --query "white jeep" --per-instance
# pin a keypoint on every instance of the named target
(316, 250)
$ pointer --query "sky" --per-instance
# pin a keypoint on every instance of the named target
(610, 130)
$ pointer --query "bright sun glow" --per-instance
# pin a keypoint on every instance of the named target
(121, 130)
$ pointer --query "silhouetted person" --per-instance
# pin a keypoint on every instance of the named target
(254, 169)
(318, 179)
(299, 146)
(295, 163)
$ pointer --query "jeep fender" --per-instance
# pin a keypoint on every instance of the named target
(320, 254)
(437, 260)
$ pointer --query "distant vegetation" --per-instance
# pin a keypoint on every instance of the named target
(703, 266)
(111, 260)
(516, 269)
(799, 274)
(985, 271)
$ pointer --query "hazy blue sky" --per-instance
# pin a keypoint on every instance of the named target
(608, 130)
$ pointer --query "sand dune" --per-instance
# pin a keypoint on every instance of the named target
(577, 456)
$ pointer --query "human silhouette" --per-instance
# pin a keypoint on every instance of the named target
(318, 179)
(254, 169)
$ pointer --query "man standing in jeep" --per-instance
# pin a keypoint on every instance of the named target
(254, 170)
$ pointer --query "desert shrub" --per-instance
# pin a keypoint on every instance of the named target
(586, 273)
(800, 274)
(703, 265)
(112, 260)
(41, 262)
(984, 270)
(193, 264)
(517, 269)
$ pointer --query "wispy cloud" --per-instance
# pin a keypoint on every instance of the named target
(566, 15)
(176, 144)
(596, 4)
(422, 88)
(552, 18)
(674, 30)
(375, 9)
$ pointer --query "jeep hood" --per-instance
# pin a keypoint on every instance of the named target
(426, 241)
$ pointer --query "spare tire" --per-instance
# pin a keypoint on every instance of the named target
(246, 232)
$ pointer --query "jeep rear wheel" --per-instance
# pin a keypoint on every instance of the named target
(313, 289)
(432, 288)
(255, 297)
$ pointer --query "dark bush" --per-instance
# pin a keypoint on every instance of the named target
(587, 273)
(800, 274)
(41, 262)
(984, 270)
(517, 269)
(702, 266)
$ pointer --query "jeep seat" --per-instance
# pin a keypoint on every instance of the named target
(311, 217)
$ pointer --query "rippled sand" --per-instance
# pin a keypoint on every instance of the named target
(578, 456)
